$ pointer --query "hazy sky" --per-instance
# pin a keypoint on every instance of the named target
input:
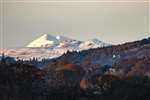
(108, 20)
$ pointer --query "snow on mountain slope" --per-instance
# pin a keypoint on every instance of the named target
(63, 39)
(43, 41)
(48, 46)
(47, 40)
(94, 43)
(30, 53)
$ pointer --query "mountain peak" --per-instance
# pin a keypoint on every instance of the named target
(45, 40)
(93, 43)
(45, 36)
(48, 37)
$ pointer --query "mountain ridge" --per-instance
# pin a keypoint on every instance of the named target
(47, 40)
(48, 46)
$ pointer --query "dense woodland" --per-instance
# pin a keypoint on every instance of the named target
(74, 76)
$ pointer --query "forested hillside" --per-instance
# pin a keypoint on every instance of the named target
(120, 72)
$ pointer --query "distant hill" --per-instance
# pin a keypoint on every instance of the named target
(48, 47)
(109, 55)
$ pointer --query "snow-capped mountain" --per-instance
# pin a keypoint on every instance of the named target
(48, 46)
(94, 43)
(47, 40)
(43, 41)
